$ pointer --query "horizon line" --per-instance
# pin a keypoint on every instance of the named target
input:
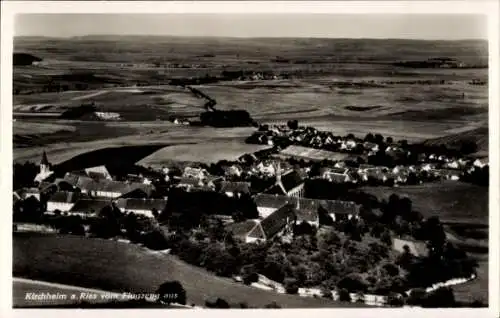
(246, 37)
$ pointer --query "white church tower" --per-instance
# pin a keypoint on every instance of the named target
(44, 169)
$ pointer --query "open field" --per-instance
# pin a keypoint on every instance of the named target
(143, 134)
(209, 152)
(125, 267)
(451, 201)
(394, 101)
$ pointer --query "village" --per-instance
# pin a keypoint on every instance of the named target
(298, 187)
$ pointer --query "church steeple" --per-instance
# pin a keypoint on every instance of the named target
(44, 161)
(44, 164)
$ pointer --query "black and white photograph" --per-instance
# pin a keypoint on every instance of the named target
(250, 160)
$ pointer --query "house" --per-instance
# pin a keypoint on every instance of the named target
(89, 207)
(267, 169)
(339, 210)
(278, 223)
(338, 175)
(268, 203)
(196, 173)
(376, 173)
(234, 170)
(232, 189)
(114, 189)
(98, 172)
(84, 183)
(62, 201)
(290, 184)
(188, 183)
(449, 174)
(371, 146)
(141, 206)
(480, 163)
(45, 171)
(348, 144)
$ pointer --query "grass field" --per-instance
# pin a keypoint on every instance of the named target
(451, 201)
(115, 266)
(208, 152)
(394, 106)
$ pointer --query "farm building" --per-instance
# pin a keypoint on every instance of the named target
(99, 172)
(306, 210)
(89, 207)
(232, 189)
(62, 201)
(141, 206)
(268, 203)
(105, 188)
(276, 224)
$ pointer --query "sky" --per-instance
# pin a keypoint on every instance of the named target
(400, 26)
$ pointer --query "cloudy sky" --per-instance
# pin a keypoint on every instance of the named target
(402, 26)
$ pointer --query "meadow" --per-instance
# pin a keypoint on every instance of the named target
(115, 266)
(451, 201)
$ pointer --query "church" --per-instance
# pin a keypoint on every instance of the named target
(45, 171)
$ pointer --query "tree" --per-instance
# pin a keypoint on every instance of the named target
(272, 305)
(441, 297)
(291, 286)
(369, 137)
(172, 292)
(416, 297)
(389, 140)
(293, 124)
(218, 303)
(395, 300)
(344, 295)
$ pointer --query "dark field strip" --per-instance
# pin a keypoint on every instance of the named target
(120, 267)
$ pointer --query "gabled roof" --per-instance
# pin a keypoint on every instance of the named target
(291, 180)
(241, 187)
(189, 181)
(142, 204)
(64, 197)
(242, 229)
(276, 221)
(337, 170)
(135, 194)
(98, 171)
(89, 206)
(118, 186)
(338, 177)
(263, 200)
(15, 198)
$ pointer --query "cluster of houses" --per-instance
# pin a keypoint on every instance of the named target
(304, 141)
(282, 204)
